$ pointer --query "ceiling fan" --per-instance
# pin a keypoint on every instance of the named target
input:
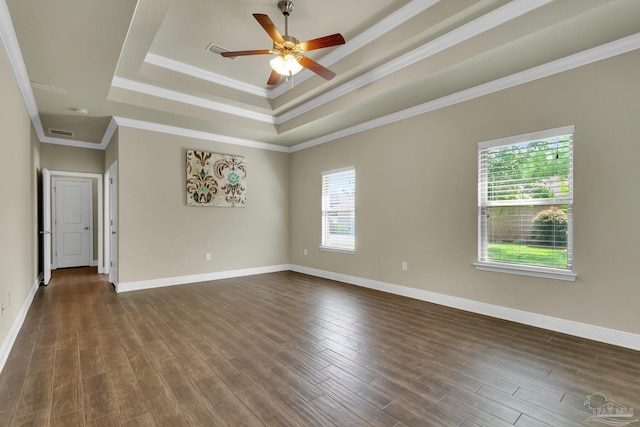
(290, 59)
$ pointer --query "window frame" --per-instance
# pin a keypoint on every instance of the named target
(324, 244)
(525, 269)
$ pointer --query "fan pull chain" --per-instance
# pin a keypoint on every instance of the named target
(286, 79)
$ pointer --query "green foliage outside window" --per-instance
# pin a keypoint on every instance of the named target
(550, 227)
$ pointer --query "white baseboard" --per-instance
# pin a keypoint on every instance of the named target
(583, 330)
(10, 339)
(194, 278)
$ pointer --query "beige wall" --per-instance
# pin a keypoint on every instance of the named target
(72, 159)
(416, 192)
(19, 167)
(160, 237)
(76, 159)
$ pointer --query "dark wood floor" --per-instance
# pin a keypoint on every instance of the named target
(286, 349)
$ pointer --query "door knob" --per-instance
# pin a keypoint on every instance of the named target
(113, 232)
(86, 228)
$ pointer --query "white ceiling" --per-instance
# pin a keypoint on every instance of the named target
(146, 63)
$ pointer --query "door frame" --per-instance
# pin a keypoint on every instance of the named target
(111, 221)
(54, 198)
(47, 205)
(46, 226)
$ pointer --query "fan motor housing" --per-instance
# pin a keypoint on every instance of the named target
(286, 7)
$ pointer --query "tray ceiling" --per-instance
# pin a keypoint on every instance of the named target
(146, 63)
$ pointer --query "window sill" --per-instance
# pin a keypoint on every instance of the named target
(334, 249)
(547, 273)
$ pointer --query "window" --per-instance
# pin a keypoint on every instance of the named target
(339, 210)
(525, 204)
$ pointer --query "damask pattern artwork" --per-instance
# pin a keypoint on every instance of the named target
(216, 179)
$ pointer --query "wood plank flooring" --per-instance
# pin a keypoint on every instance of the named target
(285, 349)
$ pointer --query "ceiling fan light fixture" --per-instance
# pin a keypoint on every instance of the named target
(286, 65)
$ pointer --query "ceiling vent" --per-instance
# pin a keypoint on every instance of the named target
(59, 132)
(214, 48)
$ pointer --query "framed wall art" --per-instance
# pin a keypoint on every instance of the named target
(216, 179)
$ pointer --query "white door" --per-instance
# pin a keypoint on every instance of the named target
(113, 224)
(46, 225)
(73, 219)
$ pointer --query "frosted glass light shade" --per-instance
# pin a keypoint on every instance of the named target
(286, 65)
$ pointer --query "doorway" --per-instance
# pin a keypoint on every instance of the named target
(51, 218)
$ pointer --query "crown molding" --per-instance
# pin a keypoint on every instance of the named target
(374, 32)
(202, 74)
(184, 98)
(377, 30)
(478, 26)
(71, 143)
(608, 50)
(14, 54)
(111, 129)
(11, 46)
(174, 130)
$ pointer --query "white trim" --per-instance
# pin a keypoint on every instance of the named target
(478, 26)
(184, 98)
(14, 54)
(335, 249)
(570, 62)
(111, 263)
(617, 47)
(529, 137)
(71, 143)
(107, 219)
(195, 278)
(202, 74)
(174, 130)
(339, 170)
(583, 330)
(108, 134)
(526, 270)
(374, 32)
(11, 336)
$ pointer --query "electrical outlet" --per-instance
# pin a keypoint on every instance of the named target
(404, 265)
(207, 257)
(305, 252)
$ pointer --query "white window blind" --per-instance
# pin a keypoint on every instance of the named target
(525, 201)
(339, 209)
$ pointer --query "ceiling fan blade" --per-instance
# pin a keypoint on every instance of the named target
(320, 70)
(319, 43)
(274, 78)
(246, 52)
(268, 26)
